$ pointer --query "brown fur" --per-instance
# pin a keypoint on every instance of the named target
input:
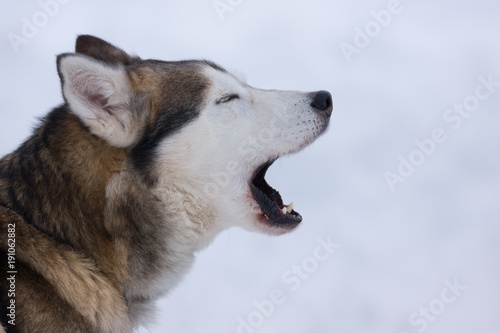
(63, 183)
(88, 237)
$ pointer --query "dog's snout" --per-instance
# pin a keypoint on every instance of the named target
(322, 101)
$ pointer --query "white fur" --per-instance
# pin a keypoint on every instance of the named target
(204, 171)
(216, 155)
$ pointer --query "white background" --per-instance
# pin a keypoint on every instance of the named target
(397, 248)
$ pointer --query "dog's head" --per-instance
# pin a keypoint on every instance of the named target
(194, 127)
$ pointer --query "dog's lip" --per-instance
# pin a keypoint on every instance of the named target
(274, 212)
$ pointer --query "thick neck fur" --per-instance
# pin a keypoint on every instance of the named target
(56, 180)
(72, 186)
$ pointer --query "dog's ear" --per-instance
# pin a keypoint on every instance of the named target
(100, 96)
(103, 51)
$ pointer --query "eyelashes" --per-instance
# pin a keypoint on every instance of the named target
(227, 98)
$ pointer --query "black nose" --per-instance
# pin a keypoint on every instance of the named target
(322, 101)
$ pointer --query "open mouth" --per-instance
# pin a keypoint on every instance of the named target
(274, 212)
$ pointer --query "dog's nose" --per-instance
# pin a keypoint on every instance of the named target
(322, 100)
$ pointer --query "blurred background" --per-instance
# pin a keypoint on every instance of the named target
(405, 184)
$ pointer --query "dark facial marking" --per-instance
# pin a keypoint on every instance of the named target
(180, 97)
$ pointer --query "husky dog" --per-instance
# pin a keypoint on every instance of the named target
(103, 208)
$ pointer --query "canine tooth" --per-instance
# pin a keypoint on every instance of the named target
(289, 208)
(284, 210)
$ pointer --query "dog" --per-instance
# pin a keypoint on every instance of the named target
(103, 208)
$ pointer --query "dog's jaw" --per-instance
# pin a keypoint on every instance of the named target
(217, 155)
(259, 127)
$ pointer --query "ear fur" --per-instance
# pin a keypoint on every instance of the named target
(101, 50)
(100, 96)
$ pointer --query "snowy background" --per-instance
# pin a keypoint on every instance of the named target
(421, 255)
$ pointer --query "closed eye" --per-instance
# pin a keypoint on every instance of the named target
(227, 98)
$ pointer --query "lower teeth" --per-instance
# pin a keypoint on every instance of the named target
(287, 209)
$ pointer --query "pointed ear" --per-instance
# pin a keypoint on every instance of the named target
(100, 96)
(103, 51)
